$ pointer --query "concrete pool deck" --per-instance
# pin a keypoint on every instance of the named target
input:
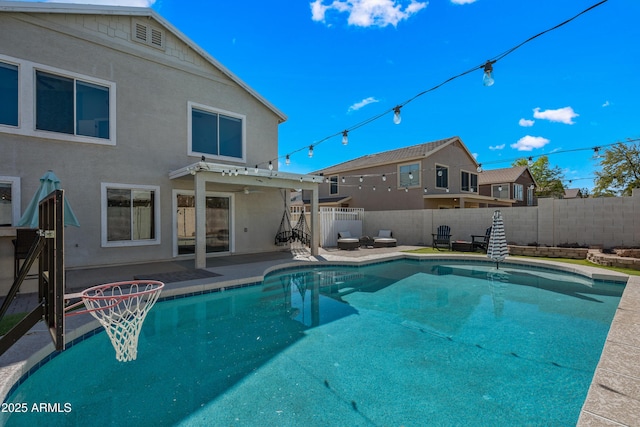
(613, 398)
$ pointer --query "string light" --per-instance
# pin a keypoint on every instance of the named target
(287, 160)
(246, 171)
(396, 115)
(488, 80)
(270, 165)
(345, 137)
(310, 151)
(384, 177)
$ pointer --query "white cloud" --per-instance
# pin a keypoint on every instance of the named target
(606, 104)
(475, 155)
(463, 1)
(132, 3)
(363, 103)
(496, 147)
(526, 123)
(368, 13)
(562, 115)
(529, 142)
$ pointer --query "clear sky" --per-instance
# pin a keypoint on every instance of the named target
(330, 65)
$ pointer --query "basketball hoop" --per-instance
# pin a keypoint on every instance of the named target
(121, 308)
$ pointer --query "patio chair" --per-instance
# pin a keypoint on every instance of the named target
(442, 237)
(347, 242)
(384, 239)
(481, 241)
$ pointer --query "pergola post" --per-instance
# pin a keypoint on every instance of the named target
(200, 185)
(315, 229)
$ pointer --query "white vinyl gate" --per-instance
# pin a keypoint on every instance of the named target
(332, 221)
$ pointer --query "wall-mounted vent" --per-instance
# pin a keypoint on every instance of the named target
(142, 32)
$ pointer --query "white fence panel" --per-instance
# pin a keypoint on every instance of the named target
(335, 220)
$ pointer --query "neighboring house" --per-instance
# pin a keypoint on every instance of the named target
(515, 184)
(154, 141)
(572, 193)
(439, 174)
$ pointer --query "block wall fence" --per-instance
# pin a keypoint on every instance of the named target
(604, 221)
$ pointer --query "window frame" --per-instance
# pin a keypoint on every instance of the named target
(507, 185)
(18, 103)
(439, 166)
(105, 243)
(15, 198)
(471, 187)
(220, 112)
(530, 195)
(333, 183)
(413, 183)
(27, 103)
(519, 193)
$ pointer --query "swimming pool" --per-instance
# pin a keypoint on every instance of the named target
(396, 343)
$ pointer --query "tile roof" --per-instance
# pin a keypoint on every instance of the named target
(498, 176)
(389, 157)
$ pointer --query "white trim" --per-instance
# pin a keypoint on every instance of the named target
(470, 184)
(174, 221)
(15, 197)
(103, 215)
(27, 103)
(209, 109)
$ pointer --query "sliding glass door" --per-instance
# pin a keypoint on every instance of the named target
(218, 223)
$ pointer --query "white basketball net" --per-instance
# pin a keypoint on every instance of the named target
(121, 309)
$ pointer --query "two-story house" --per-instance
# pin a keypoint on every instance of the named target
(161, 150)
(515, 184)
(435, 175)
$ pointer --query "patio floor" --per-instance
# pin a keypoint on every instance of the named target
(613, 398)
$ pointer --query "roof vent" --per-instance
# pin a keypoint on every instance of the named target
(144, 33)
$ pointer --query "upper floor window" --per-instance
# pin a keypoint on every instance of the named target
(518, 192)
(333, 181)
(409, 175)
(71, 106)
(44, 102)
(530, 195)
(216, 133)
(9, 201)
(500, 191)
(468, 181)
(442, 176)
(130, 215)
(8, 94)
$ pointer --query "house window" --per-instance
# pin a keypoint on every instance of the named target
(333, 181)
(9, 201)
(71, 106)
(442, 176)
(216, 133)
(529, 196)
(130, 215)
(409, 175)
(500, 191)
(469, 181)
(518, 192)
(8, 94)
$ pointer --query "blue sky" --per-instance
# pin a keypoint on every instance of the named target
(330, 65)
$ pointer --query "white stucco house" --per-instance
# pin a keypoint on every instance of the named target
(161, 150)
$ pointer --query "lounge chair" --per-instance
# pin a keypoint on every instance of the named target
(347, 242)
(384, 239)
(481, 241)
(442, 237)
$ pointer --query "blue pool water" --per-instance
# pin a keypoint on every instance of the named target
(408, 343)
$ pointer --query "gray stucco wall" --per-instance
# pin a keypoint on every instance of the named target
(153, 88)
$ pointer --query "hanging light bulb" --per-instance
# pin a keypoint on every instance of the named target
(343, 179)
(396, 115)
(256, 169)
(223, 172)
(236, 172)
(345, 137)
(388, 188)
(487, 78)
(410, 176)
(406, 189)
(384, 177)
(287, 160)
(270, 165)
(326, 180)
(310, 151)
(374, 188)
(359, 187)
(479, 169)
(361, 178)
(246, 171)
(425, 189)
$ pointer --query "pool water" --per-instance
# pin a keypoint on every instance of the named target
(408, 343)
